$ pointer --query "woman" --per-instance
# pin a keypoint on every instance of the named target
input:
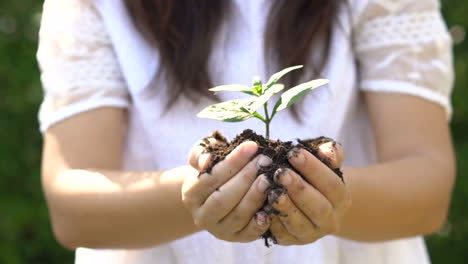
(124, 80)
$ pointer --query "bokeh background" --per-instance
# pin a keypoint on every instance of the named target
(25, 234)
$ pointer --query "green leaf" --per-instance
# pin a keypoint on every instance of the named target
(233, 88)
(256, 81)
(257, 90)
(257, 86)
(258, 102)
(259, 116)
(229, 111)
(275, 77)
(289, 97)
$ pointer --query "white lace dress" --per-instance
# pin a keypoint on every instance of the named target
(91, 56)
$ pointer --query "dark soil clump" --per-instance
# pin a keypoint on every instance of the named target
(275, 149)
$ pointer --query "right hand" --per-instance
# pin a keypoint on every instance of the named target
(226, 201)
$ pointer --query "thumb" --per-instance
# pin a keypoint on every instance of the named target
(199, 157)
(332, 153)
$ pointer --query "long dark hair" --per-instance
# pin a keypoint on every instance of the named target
(184, 30)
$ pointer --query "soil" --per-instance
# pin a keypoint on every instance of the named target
(278, 151)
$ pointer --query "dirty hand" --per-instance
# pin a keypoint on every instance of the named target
(314, 204)
(226, 201)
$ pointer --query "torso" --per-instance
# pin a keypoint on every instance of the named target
(160, 140)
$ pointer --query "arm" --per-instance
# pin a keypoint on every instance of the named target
(408, 191)
(93, 203)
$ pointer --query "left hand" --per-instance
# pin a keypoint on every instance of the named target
(315, 203)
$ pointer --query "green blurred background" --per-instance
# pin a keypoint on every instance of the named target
(25, 234)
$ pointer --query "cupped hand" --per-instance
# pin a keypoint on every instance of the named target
(314, 204)
(226, 201)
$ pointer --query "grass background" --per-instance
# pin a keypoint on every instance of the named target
(25, 235)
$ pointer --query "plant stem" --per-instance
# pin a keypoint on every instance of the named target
(267, 120)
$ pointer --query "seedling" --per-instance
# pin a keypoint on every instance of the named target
(242, 109)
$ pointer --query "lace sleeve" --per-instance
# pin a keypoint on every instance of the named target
(79, 69)
(403, 46)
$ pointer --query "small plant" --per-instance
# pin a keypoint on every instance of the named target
(241, 109)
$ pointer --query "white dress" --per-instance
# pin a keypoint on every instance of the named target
(91, 56)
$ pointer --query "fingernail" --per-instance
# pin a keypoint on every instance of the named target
(275, 194)
(282, 177)
(263, 184)
(285, 179)
(281, 199)
(204, 161)
(261, 218)
(296, 154)
(330, 154)
(264, 161)
(340, 156)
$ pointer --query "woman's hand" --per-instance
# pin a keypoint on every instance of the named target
(314, 204)
(226, 201)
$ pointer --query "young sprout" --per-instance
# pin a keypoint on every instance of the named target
(241, 109)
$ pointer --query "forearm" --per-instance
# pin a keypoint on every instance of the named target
(112, 209)
(400, 198)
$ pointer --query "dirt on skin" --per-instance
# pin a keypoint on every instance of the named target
(278, 151)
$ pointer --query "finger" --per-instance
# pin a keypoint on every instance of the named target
(248, 205)
(229, 195)
(306, 198)
(207, 183)
(198, 157)
(280, 233)
(319, 175)
(332, 153)
(295, 222)
(257, 225)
